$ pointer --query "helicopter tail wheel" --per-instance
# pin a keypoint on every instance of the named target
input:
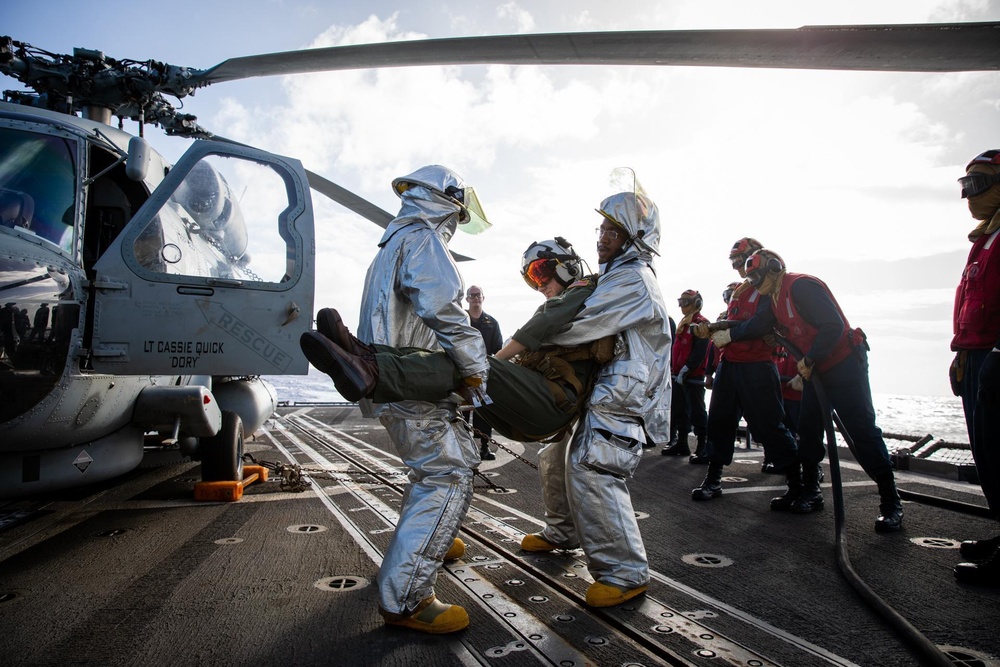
(222, 454)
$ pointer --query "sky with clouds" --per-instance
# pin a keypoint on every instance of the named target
(849, 176)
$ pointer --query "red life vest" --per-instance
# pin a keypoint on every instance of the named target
(792, 326)
(976, 320)
(742, 306)
(681, 349)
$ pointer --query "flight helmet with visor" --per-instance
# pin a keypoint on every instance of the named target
(552, 259)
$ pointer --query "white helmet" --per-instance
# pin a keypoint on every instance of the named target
(555, 258)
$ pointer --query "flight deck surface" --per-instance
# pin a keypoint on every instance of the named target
(138, 572)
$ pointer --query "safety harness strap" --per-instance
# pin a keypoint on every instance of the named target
(554, 364)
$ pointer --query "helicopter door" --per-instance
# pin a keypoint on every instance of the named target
(214, 274)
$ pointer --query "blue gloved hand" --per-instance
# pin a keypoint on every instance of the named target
(989, 380)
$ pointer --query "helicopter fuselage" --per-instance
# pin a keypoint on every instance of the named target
(133, 315)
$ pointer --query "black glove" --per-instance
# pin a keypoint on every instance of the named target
(989, 381)
(956, 372)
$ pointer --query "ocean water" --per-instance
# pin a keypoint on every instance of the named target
(939, 416)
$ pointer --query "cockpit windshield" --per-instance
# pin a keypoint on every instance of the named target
(38, 184)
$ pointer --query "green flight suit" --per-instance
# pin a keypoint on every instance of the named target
(524, 407)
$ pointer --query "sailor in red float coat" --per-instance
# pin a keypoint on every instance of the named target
(746, 384)
(975, 372)
(807, 314)
(680, 353)
(798, 330)
(742, 306)
(688, 362)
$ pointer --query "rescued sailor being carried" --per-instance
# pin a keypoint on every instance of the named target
(535, 389)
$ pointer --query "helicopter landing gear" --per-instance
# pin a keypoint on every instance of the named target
(222, 454)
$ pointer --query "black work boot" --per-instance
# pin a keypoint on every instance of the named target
(484, 452)
(793, 478)
(811, 498)
(329, 323)
(354, 376)
(711, 487)
(679, 448)
(986, 573)
(891, 507)
(700, 456)
(979, 549)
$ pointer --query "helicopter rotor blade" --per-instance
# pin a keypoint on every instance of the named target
(936, 47)
(349, 200)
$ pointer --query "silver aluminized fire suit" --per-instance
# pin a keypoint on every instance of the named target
(412, 298)
(629, 406)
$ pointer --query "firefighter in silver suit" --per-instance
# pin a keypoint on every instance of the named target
(413, 298)
(629, 406)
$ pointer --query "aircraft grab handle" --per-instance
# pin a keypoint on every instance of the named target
(293, 313)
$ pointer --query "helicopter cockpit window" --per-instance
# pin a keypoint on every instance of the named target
(38, 185)
(225, 220)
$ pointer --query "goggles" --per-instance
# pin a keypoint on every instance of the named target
(737, 261)
(977, 183)
(756, 276)
(684, 302)
(539, 272)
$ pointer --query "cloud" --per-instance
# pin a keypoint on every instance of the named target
(511, 10)
(844, 172)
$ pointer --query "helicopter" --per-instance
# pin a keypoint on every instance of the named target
(143, 301)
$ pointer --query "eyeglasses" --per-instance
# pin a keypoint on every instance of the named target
(610, 234)
(474, 295)
(977, 183)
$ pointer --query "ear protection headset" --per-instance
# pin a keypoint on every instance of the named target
(761, 262)
(694, 296)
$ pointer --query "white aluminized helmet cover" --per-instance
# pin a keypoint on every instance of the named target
(444, 184)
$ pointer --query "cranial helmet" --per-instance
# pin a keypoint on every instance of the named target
(545, 260)
(727, 293)
(745, 247)
(690, 297)
(981, 187)
(762, 265)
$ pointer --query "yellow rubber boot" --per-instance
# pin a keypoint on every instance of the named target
(534, 542)
(456, 551)
(431, 616)
(603, 595)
